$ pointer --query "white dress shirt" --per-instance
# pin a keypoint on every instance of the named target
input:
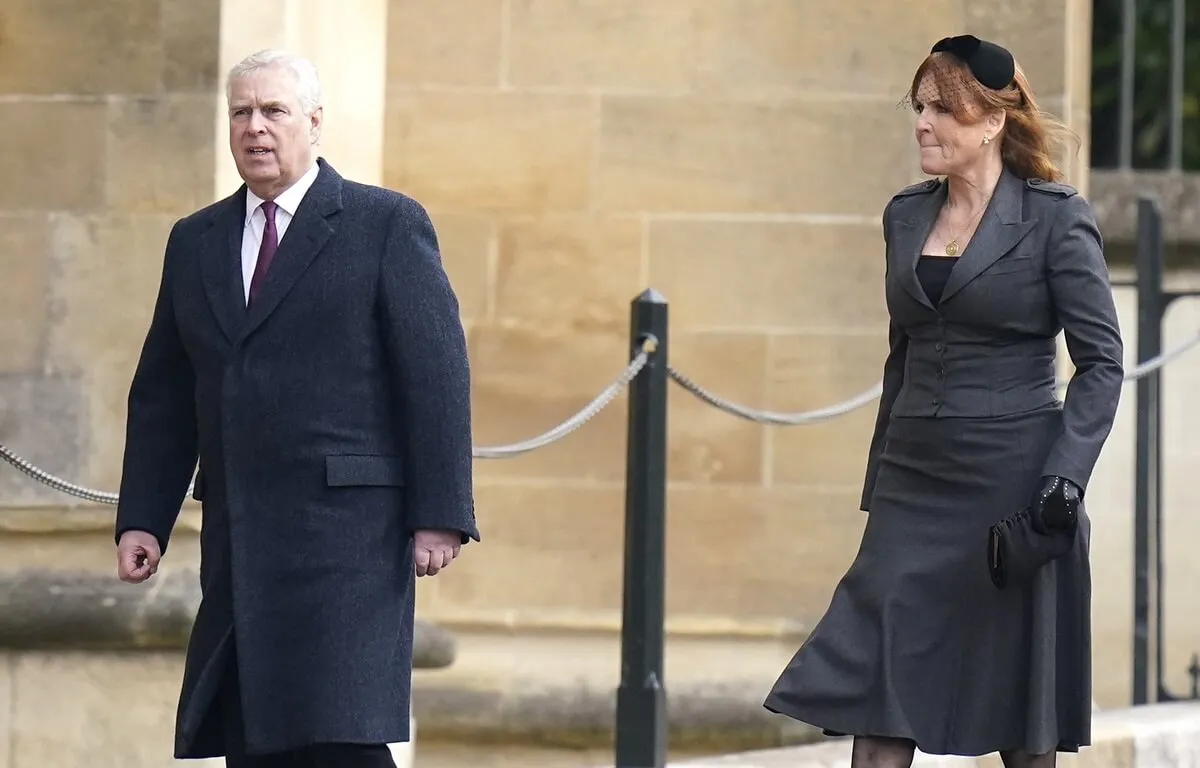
(256, 222)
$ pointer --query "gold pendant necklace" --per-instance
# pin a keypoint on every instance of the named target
(952, 243)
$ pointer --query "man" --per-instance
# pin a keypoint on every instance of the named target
(306, 347)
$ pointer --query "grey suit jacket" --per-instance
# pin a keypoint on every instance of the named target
(1035, 267)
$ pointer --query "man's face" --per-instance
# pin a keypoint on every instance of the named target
(269, 135)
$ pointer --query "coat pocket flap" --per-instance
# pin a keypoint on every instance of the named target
(363, 470)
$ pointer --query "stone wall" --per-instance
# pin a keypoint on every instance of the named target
(734, 154)
(108, 138)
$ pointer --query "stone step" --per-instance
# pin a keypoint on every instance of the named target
(559, 690)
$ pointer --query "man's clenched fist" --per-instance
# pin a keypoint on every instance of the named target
(433, 550)
(137, 556)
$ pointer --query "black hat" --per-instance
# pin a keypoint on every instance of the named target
(992, 65)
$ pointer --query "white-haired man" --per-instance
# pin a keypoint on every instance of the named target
(306, 347)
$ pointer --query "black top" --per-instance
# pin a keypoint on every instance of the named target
(933, 272)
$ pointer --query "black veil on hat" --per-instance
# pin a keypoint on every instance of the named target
(992, 65)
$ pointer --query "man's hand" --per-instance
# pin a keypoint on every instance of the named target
(137, 556)
(434, 549)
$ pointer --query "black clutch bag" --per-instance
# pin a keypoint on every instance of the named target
(1017, 549)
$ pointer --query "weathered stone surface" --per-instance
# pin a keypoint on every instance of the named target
(94, 709)
(559, 689)
(601, 258)
(6, 709)
(56, 150)
(715, 156)
(59, 610)
(804, 538)
(65, 47)
(550, 548)
(1114, 197)
(174, 135)
(191, 38)
(732, 48)
(55, 610)
(106, 271)
(24, 248)
(814, 371)
(528, 380)
(610, 44)
(51, 609)
(1035, 31)
(467, 243)
(472, 152)
(761, 275)
(768, 48)
(420, 51)
(706, 445)
(42, 419)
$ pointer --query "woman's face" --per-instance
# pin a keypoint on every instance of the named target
(948, 146)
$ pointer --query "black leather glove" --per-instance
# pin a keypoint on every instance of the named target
(1055, 507)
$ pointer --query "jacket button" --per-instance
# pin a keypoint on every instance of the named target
(939, 346)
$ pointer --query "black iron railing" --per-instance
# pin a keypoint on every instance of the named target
(1145, 85)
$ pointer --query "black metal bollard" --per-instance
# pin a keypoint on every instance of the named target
(1147, 504)
(641, 726)
(1149, 586)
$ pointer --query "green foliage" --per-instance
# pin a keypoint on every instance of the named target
(1152, 84)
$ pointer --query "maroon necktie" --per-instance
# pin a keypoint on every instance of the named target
(266, 251)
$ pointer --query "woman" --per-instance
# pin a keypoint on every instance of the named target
(985, 266)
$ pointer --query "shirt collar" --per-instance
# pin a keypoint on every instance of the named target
(289, 199)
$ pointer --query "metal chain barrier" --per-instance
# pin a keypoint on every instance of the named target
(858, 401)
(599, 403)
(586, 414)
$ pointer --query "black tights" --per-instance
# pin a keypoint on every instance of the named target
(881, 752)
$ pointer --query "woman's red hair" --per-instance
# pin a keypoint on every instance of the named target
(1030, 136)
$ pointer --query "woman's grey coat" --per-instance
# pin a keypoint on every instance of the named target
(1009, 283)
(917, 643)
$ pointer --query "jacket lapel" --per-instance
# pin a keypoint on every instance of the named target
(308, 232)
(908, 237)
(221, 265)
(999, 231)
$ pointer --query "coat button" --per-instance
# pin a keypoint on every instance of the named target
(939, 346)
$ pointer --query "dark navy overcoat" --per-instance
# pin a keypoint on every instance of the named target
(330, 420)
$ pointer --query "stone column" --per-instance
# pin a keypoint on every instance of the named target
(348, 43)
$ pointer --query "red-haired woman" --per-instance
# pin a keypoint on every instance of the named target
(962, 626)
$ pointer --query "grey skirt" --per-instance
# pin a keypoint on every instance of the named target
(917, 643)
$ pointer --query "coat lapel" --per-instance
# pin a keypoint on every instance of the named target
(221, 265)
(999, 231)
(908, 239)
(306, 235)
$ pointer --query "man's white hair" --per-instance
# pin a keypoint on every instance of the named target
(308, 82)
